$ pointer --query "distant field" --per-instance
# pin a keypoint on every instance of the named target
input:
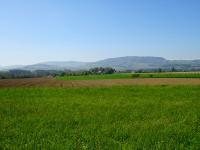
(126, 117)
(166, 75)
(97, 77)
(131, 75)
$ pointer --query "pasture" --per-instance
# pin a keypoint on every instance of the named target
(97, 77)
(131, 76)
(167, 75)
(118, 117)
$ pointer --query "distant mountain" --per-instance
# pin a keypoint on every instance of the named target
(71, 64)
(57, 65)
(131, 63)
(119, 63)
(11, 67)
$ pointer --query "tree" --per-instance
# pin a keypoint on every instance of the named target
(159, 70)
(173, 69)
(109, 70)
(101, 70)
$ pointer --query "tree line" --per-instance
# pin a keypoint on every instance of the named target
(17, 73)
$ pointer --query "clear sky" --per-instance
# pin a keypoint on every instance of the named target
(34, 31)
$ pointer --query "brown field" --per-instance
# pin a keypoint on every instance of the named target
(50, 82)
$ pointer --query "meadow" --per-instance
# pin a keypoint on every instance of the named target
(104, 118)
(130, 76)
(166, 75)
(97, 77)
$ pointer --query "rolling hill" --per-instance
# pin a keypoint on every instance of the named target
(119, 63)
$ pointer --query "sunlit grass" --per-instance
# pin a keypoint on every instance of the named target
(141, 117)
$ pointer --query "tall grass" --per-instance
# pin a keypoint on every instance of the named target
(141, 117)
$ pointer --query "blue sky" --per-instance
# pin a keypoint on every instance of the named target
(34, 31)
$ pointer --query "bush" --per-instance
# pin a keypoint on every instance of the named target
(135, 75)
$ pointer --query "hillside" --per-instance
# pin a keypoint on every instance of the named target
(131, 63)
(119, 63)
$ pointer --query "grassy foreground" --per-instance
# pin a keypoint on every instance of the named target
(97, 77)
(141, 117)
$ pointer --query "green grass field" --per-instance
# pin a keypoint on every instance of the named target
(140, 117)
(166, 75)
(130, 76)
(97, 77)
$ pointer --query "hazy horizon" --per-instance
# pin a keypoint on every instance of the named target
(87, 61)
(91, 30)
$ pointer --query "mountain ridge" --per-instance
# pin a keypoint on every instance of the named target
(118, 63)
